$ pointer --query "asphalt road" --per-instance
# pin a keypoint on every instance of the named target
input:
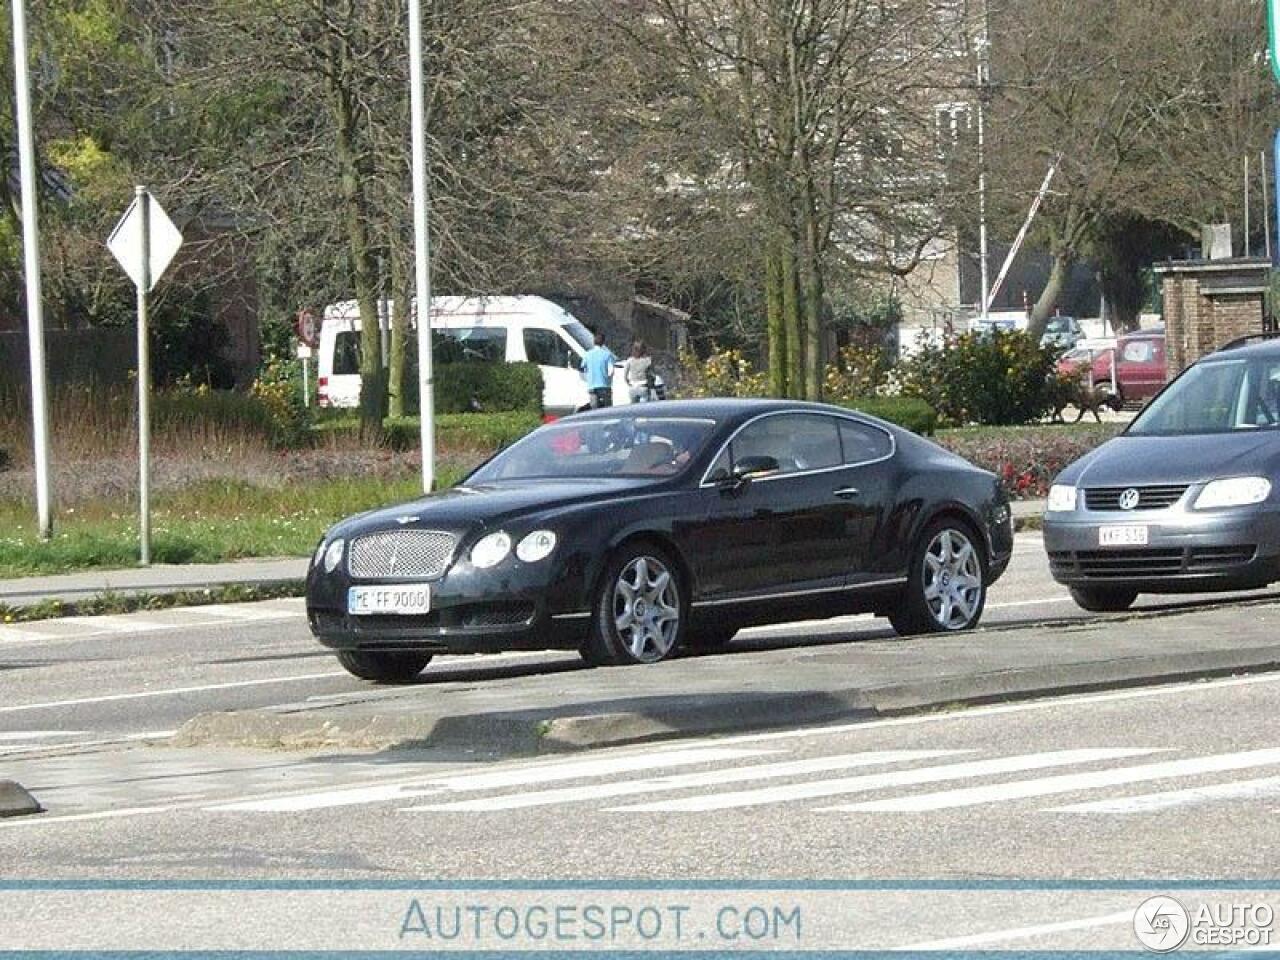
(104, 679)
(1166, 782)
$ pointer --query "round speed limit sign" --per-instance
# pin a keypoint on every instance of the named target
(308, 328)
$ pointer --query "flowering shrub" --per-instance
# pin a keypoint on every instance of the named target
(858, 371)
(725, 373)
(276, 389)
(1026, 460)
(990, 378)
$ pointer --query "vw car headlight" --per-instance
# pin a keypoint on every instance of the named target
(333, 556)
(536, 546)
(491, 550)
(1234, 492)
(1062, 498)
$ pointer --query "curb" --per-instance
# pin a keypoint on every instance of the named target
(525, 733)
(15, 801)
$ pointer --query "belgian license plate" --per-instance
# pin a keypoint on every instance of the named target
(405, 599)
(1125, 535)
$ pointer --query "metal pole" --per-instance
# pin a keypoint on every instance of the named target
(1246, 205)
(421, 244)
(1266, 203)
(983, 249)
(1026, 226)
(31, 269)
(306, 387)
(144, 381)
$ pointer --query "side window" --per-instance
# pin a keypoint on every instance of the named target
(470, 345)
(546, 347)
(862, 443)
(803, 441)
(1137, 351)
(721, 469)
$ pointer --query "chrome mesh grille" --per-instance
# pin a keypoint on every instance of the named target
(402, 554)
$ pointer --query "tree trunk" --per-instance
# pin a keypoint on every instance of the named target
(1044, 308)
(792, 322)
(354, 175)
(777, 331)
(399, 320)
(813, 296)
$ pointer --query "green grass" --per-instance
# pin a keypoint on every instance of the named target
(205, 523)
(1082, 429)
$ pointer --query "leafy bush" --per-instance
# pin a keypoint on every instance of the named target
(991, 378)
(910, 413)
(455, 432)
(1026, 459)
(485, 387)
(277, 391)
(858, 371)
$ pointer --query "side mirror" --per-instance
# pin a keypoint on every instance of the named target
(744, 471)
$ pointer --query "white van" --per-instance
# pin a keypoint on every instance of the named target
(474, 329)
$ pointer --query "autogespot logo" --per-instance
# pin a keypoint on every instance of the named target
(1161, 924)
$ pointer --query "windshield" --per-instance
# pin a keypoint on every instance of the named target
(1059, 325)
(1222, 396)
(625, 447)
(580, 334)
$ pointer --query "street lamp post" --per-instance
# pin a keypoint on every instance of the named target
(31, 268)
(421, 244)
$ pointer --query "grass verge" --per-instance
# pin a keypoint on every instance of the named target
(113, 603)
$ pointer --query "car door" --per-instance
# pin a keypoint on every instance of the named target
(1140, 374)
(790, 529)
(563, 389)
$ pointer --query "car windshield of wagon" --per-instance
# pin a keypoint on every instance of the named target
(622, 447)
(1219, 396)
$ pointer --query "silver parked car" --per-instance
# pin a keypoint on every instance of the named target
(1186, 499)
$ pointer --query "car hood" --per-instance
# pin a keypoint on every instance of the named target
(1136, 460)
(475, 505)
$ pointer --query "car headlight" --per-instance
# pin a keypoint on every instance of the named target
(536, 546)
(333, 556)
(1233, 492)
(315, 561)
(1062, 498)
(491, 550)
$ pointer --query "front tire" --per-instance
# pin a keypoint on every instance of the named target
(1104, 599)
(383, 667)
(947, 582)
(640, 609)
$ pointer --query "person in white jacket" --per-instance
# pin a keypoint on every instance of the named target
(638, 371)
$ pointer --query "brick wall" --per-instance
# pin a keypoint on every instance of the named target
(1207, 304)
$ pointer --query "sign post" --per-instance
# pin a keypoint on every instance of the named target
(421, 245)
(144, 242)
(308, 330)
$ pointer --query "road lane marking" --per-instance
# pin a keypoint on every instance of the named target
(763, 771)
(171, 692)
(878, 781)
(1169, 799)
(1067, 783)
(1023, 933)
(528, 774)
(8, 737)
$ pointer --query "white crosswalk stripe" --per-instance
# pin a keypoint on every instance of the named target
(1067, 783)
(878, 781)
(1169, 799)
(526, 775)
(762, 771)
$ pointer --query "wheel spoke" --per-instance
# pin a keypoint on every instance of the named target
(932, 591)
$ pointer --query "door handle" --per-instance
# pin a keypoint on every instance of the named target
(847, 493)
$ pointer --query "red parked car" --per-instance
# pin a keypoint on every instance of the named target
(1141, 370)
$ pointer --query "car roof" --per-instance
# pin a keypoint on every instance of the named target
(715, 408)
(1269, 348)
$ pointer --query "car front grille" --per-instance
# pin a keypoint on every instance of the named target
(402, 554)
(1149, 498)
(1144, 562)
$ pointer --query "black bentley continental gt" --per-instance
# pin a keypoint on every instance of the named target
(631, 533)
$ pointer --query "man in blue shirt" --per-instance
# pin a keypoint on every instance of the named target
(598, 366)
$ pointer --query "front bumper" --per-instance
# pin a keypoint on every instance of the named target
(513, 607)
(1187, 551)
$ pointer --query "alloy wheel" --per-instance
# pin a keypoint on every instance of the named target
(952, 579)
(646, 608)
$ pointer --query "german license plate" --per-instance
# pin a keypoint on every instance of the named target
(405, 599)
(1125, 535)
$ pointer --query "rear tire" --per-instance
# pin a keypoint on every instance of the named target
(640, 610)
(383, 667)
(947, 582)
(1104, 599)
